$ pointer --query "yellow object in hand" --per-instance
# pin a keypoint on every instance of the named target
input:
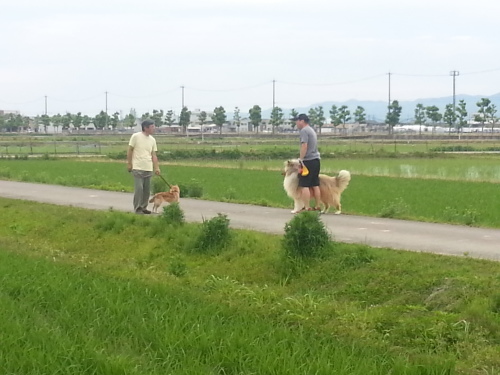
(304, 171)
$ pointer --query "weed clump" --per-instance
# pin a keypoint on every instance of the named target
(395, 209)
(214, 236)
(306, 237)
(194, 189)
(173, 215)
(177, 267)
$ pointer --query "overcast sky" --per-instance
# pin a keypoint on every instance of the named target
(228, 52)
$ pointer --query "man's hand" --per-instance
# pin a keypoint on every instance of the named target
(129, 167)
(157, 171)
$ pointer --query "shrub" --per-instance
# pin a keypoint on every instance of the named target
(173, 214)
(306, 237)
(193, 190)
(214, 235)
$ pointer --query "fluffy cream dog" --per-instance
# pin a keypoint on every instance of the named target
(331, 188)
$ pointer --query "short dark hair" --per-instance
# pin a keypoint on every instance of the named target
(147, 123)
(302, 117)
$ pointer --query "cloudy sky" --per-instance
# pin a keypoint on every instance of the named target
(228, 52)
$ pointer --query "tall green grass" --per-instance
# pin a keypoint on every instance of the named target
(64, 320)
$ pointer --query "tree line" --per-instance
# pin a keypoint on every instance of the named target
(454, 116)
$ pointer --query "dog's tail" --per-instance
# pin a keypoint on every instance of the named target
(342, 180)
(152, 199)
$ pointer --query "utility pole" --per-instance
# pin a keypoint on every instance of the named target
(182, 87)
(389, 74)
(389, 106)
(45, 105)
(454, 73)
(274, 93)
(106, 118)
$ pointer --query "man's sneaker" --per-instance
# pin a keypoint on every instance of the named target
(145, 211)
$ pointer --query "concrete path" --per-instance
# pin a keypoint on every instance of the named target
(377, 232)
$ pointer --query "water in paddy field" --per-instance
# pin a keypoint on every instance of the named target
(408, 170)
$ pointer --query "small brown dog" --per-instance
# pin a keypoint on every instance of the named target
(167, 196)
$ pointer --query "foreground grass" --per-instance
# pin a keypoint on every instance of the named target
(66, 320)
(458, 202)
(115, 293)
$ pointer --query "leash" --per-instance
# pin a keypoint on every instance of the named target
(164, 180)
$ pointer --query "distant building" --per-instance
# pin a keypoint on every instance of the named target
(4, 112)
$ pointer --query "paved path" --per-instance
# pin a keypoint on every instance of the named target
(377, 232)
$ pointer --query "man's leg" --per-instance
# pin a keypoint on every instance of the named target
(138, 192)
(314, 168)
(146, 189)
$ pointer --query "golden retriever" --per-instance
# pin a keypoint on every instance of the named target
(331, 188)
(167, 196)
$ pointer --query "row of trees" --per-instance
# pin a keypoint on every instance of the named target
(454, 116)
(12, 122)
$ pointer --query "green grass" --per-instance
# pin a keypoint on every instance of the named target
(65, 320)
(115, 293)
(450, 201)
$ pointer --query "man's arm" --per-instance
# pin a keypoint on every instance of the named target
(156, 165)
(130, 151)
(303, 150)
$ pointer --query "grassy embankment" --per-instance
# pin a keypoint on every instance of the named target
(86, 292)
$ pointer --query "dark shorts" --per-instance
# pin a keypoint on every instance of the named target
(312, 179)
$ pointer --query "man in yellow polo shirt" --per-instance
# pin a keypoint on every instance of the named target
(142, 161)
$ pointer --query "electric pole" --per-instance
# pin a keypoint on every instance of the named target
(182, 87)
(274, 93)
(45, 105)
(454, 73)
(389, 106)
(106, 118)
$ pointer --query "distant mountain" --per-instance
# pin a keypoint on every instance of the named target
(377, 110)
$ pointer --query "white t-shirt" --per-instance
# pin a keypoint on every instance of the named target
(144, 146)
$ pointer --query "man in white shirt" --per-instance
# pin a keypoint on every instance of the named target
(142, 161)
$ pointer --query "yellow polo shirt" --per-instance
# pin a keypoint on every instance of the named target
(144, 146)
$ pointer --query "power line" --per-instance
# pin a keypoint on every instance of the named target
(482, 71)
(228, 90)
(144, 96)
(332, 83)
(76, 100)
(420, 75)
